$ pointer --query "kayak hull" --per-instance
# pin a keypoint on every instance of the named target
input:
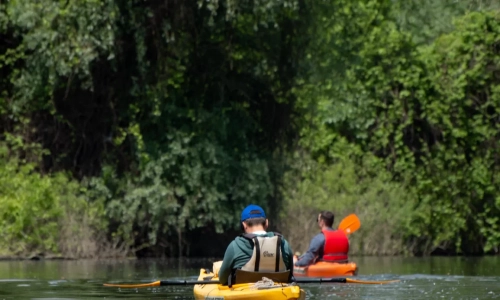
(327, 269)
(244, 291)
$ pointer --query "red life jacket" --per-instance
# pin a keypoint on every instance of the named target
(336, 246)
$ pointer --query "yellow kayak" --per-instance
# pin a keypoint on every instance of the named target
(244, 291)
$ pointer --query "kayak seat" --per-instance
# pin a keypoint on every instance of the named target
(250, 277)
(345, 261)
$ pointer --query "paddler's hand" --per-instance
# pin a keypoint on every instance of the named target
(216, 268)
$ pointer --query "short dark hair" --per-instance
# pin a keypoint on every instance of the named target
(255, 221)
(327, 217)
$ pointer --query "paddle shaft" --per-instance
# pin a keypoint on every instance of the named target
(315, 280)
(190, 282)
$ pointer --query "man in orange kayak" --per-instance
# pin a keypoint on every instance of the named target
(329, 245)
(256, 253)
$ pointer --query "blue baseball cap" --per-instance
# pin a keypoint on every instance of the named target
(252, 211)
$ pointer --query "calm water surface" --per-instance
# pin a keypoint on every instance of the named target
(421, 278)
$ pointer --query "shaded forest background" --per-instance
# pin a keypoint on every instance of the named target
(142, 128)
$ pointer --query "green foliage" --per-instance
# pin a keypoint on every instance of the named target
(60, 41)
(173, 115)
(349, 185)
(428, 113)
(35, 209)
(180, 100)
(169, 198)
(428, 19)
(30, 209)
(462, 165)
(264, 11)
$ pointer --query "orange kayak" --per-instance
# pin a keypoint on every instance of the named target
(326, 269)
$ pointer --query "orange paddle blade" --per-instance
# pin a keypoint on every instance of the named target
(151, 284)
(350, 224)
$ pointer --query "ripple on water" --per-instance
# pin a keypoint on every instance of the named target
(83, 280)
(416, 286)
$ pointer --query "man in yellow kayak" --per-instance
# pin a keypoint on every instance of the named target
(256, 253)
(329, 245)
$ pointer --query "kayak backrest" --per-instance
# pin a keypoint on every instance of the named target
(250, 277)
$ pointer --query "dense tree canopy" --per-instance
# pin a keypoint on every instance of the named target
(161, 120)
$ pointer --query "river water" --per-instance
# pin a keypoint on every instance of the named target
(421, 278)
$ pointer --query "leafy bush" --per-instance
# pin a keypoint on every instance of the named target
(346, 187)
(30, 208)
(429, 114)
(190, 186)
(46, 214)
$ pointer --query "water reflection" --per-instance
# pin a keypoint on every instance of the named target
(471, 266)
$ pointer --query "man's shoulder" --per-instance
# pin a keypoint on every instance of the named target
(239, 241)
(319, 237)
(230, 245)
